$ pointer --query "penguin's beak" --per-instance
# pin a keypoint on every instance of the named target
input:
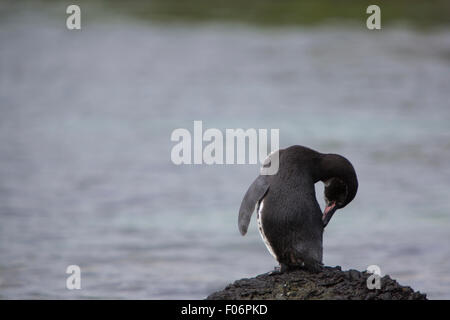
(328, 213)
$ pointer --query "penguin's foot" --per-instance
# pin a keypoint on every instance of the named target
(276, 271)
(314, 267)
(311, 266)
(284, 268)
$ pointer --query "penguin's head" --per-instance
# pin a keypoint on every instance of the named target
(340, 188)
(335, 195)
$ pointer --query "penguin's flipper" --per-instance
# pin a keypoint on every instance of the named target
(254, 194)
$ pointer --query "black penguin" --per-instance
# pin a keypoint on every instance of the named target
(289, 217)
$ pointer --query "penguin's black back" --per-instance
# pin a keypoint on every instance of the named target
(291, 215)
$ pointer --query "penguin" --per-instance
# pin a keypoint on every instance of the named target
(289, 217)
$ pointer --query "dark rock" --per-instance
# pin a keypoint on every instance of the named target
(371, 296)
(328, 284)
(354, 274)
(385, 296)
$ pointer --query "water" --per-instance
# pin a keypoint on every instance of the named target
(85, 170)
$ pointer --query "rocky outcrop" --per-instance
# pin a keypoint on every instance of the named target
(329, 283)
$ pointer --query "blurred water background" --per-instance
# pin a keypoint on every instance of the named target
(85, 171)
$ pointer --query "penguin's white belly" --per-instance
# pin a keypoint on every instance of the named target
(261, 230)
